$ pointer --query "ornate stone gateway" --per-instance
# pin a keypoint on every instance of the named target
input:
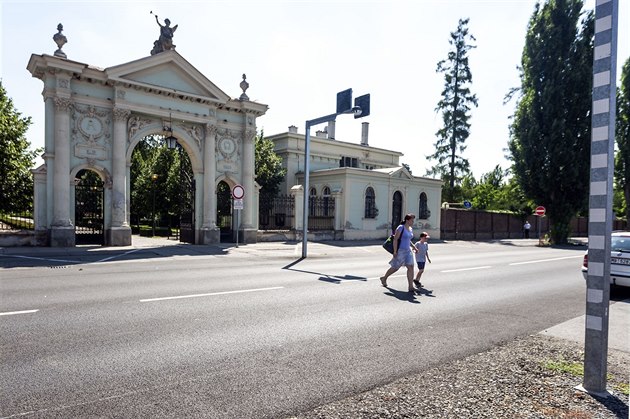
(95, 117)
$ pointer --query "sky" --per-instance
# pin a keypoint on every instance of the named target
(297, 54)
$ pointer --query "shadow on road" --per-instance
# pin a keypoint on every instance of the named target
(402, 295)
(332, 279)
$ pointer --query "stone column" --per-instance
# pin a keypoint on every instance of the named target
(339, 209)
(119, 234)
(62, 230)
(248, 164)
(297, 192)
(209, 231)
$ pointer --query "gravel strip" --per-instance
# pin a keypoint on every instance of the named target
(531, 377)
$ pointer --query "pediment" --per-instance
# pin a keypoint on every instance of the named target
(396, 172)
(170, 72)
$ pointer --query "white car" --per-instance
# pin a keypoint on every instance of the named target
(619, 259)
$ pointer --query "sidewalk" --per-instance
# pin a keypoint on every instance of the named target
(618, 327)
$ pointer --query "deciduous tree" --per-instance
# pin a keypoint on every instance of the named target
(550, 134)
(622, 135)
(16, 158)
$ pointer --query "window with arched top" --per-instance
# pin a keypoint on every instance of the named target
(370, 203)
(326, 200)
(423, 207)
(312, 194)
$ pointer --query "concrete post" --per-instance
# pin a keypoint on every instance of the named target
(600, 200)
(297, 192)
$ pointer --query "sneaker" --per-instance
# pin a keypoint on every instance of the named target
(383, 281)
(417, 283)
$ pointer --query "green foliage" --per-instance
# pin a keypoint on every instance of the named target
(495, 192)
(269, 171)
(573, 368)
(550, 135)
(158, 176)
(16, 160)
(455, 107)
(622, 135)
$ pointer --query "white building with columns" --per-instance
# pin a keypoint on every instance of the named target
(372, 191)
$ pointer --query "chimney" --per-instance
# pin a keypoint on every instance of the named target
(293, 129)
(364, 133)
(320, 134)
(331, 130)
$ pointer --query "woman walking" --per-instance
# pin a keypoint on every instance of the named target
(402, 254)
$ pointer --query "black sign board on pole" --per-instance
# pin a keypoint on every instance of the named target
(344, 101)
(363, 103)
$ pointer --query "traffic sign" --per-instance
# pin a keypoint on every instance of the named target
(238, 192)
(467, 204)
(238, 204)
(540, 211)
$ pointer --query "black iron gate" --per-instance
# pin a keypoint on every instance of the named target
(224, 211)
(88, 208)
(187, 205)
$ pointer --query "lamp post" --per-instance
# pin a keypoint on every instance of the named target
(154, 178)
(360, 109)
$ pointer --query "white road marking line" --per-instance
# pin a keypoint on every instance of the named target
(11, 313)
(468, 269)
(546, 260)
(35, 258)
(115, 256)
(179, 297)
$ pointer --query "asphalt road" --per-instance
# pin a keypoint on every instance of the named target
(255, 332)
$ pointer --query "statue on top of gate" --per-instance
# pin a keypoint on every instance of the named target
(165, 42)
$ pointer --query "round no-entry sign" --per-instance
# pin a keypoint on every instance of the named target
(540, 211)
(238, 192)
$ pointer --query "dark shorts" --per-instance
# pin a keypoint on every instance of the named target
(421, 265)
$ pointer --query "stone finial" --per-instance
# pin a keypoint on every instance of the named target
(244, 86)
(60, 39)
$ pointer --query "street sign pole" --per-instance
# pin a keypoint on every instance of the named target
(344, 105)
(600, 199)
(238, 192)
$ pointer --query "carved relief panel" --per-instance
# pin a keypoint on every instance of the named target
(228, 150)
(91, 134)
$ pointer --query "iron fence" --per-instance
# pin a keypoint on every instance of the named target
(321, 213)
(276, 213)
(16, 221)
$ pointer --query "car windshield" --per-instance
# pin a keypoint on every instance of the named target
(620, 244)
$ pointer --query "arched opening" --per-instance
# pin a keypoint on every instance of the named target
(162, 191)
(396, 209)
(224, 211)
(370, 203)
(423, 207)
(88, 208)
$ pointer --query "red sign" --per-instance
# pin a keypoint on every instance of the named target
(540, 211)
(238, 192)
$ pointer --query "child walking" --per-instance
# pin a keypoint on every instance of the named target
(422, 256)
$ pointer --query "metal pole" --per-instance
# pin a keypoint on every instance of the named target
(153, 210)
(238, 224)
(307, 168)
(600, 199)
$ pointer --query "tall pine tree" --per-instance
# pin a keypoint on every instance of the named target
(550, 134)
(455, 106)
